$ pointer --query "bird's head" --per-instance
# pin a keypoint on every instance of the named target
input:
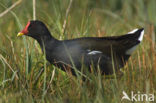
(35, 29)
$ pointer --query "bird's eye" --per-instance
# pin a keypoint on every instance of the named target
(30, 25)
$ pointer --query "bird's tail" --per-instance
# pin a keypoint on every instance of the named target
(128, 43)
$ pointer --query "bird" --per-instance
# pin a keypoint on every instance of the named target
(107, 54)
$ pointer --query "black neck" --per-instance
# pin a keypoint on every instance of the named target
(46, 40)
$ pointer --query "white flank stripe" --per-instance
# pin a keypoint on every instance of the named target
(94, 52)
(133, 31)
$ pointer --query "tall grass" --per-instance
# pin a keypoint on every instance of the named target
(25, 75)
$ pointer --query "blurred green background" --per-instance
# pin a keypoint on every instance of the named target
(21, 59)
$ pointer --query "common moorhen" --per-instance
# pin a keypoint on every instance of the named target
(106, 53)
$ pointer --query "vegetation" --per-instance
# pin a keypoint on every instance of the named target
(22, 62)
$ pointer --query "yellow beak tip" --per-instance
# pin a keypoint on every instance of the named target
(20, 34)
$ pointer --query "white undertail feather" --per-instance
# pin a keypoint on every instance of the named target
(141, 36)
(133, 31)
(129, 51)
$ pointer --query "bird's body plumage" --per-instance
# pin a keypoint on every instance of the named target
(107, 53)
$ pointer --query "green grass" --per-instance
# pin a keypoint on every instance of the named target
(21, 60)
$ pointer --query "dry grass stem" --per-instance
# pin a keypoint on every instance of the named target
(34, 9)
(1, 57)
(10, 8)
(67, 13)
